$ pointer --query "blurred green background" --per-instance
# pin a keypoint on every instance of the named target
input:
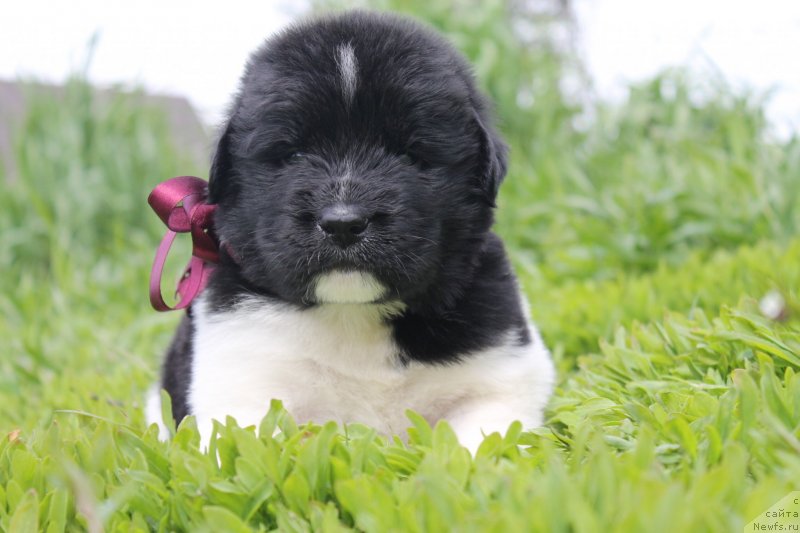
(676, 209)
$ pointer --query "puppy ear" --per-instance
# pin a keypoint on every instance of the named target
(493, 159)
(219, 175)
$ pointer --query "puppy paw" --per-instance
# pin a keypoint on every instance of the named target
(153, 412)
(472, 424)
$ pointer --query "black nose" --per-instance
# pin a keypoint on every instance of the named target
(345, 224)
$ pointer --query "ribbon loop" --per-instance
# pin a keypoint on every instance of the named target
(181, 205)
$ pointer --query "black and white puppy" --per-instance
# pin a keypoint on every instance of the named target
(356, 178)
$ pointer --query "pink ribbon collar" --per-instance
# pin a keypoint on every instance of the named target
(181, 204)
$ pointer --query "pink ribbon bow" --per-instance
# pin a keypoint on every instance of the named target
(180, 204)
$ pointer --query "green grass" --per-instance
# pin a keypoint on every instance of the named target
(644, 243)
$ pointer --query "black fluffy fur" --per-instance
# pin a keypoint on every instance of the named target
(422, 157)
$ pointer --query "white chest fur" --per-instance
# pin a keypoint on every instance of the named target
(338, 362)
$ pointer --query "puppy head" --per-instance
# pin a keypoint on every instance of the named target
(358, 164)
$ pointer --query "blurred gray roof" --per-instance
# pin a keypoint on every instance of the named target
(187, 130)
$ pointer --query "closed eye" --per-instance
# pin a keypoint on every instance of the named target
(414, 159)
(283, 154)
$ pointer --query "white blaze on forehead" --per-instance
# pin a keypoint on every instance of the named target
(343, 287)
(348, 70)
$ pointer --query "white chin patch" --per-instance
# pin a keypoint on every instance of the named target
(348, 287)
